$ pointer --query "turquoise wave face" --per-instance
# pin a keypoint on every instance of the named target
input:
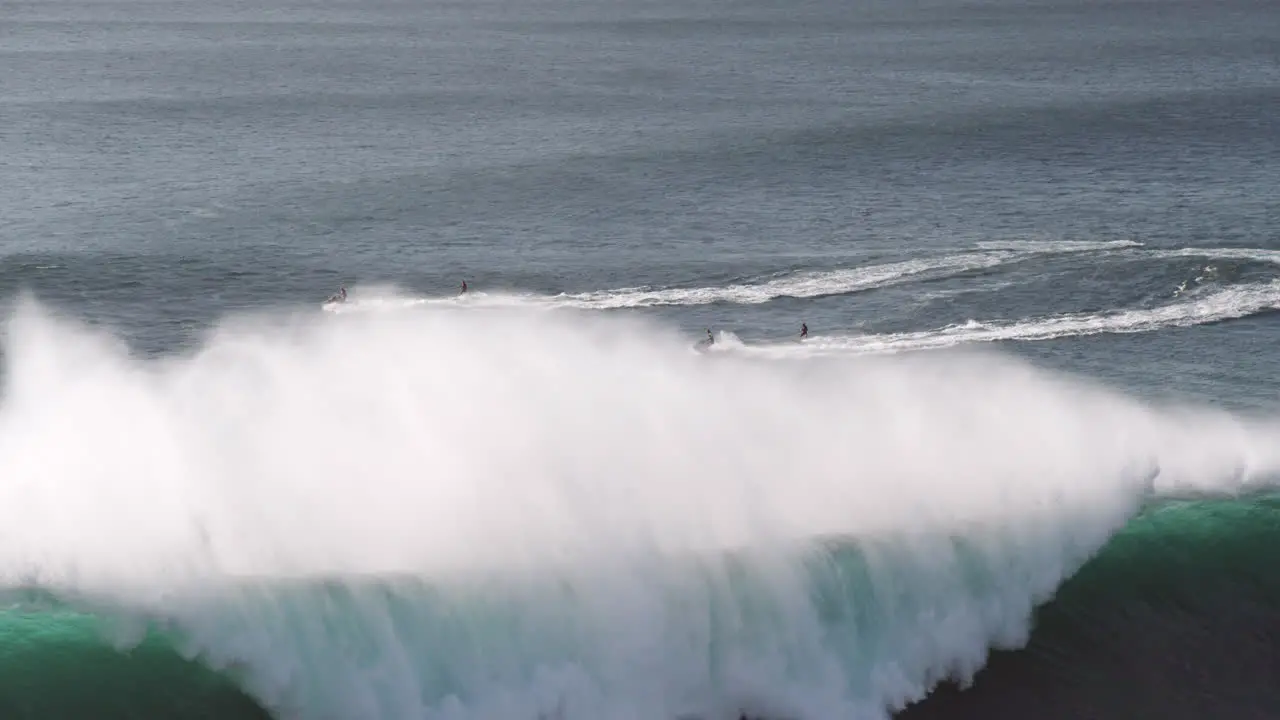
(1177, 612)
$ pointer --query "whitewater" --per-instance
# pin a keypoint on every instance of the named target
(432, 512)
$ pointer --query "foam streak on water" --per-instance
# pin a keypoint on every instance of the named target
(430, 513)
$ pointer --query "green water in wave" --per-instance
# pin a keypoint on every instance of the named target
(56, 664)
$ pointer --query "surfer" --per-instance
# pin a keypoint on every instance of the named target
(804, 331)
(340, 297)
(464, 288)
(705, 343)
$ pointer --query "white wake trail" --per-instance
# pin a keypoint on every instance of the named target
(1211, 307)
(798, 285)
(805, 284)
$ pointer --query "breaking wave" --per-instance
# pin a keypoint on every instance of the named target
(421, 514)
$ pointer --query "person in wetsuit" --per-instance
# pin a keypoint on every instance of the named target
(804, 330)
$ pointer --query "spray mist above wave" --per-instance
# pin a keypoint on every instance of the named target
(583, 517)
(445, 409)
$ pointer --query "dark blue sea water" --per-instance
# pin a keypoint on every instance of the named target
(1035, 244)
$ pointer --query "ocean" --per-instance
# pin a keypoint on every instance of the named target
(1022, 465)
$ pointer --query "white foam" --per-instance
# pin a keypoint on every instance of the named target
(557, 499)
(1058, 246)
(1224, 253)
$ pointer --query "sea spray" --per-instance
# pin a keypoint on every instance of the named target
(444, 513)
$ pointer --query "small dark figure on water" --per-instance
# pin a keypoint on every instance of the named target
(341, 297)
(804, 330)
(464, 288)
